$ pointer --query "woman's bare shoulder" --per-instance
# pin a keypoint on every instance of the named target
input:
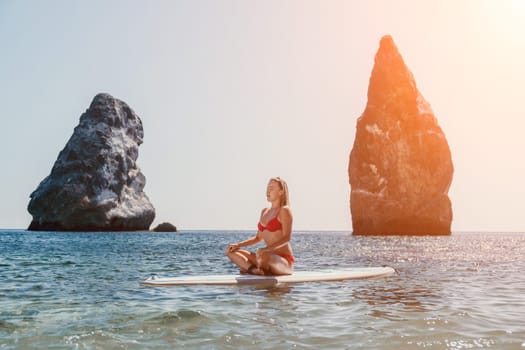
(286, 211)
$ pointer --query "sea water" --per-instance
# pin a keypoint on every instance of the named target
(81, 291)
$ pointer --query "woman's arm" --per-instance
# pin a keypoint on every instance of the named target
(285, 216)
(251, 241)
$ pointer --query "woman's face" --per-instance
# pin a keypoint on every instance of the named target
(273, 191)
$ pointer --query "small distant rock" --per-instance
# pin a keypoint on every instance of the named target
(165, 227)
(95, 183)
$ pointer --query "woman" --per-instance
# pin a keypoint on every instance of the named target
(275, 229)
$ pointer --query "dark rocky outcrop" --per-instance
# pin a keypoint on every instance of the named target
(400, 166)
(95, 184)
(165, 227)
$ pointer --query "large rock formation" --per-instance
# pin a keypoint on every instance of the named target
(400, 166)
(95, 183)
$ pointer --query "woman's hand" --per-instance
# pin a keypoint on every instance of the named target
(233, 247)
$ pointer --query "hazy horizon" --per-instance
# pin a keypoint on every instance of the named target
(233, 92)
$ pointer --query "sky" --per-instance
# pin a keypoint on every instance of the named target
(233, 92)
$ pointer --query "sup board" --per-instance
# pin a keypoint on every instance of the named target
(296, 277)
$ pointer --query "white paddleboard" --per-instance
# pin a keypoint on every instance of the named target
(296, 277)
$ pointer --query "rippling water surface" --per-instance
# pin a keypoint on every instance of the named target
(81, 291)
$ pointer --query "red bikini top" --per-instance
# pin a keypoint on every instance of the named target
(272, 225)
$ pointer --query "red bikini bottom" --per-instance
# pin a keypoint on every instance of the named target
(288, 257)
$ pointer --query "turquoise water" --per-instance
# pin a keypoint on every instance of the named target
(81, 291)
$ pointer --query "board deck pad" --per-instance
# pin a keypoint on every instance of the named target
(296, 277)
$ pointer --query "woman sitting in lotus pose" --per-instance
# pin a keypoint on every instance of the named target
(275, 229)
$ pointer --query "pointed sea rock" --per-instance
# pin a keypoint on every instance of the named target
(400, 166)
(95, 184)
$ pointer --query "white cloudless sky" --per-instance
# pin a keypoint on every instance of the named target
(233, 92)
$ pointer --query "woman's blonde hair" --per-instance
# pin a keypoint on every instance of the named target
(285, 199)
